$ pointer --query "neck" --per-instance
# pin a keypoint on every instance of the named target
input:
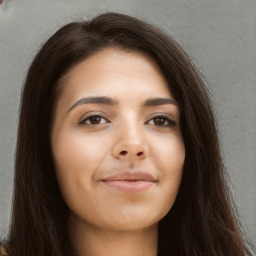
(94, 241)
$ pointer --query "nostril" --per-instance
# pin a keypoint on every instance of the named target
(123, 153)
(140, 154)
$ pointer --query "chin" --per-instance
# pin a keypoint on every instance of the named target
(131, 221)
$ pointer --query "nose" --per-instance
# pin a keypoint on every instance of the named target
(130, 144)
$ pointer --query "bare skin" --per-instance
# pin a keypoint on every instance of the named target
(118, 153)
(105, 242)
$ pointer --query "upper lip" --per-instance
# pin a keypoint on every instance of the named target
(130, 176)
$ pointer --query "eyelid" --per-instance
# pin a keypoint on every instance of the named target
(92, 114)
(164, 115)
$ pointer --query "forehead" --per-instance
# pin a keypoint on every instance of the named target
(115, 72)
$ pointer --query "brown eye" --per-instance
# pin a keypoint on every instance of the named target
(160, 121)
(93, 120)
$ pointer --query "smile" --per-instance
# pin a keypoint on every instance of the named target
(136, 181)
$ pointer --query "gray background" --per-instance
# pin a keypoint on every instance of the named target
(220, 36)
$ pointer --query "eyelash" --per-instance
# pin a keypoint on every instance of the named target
(168, 121)
(83, 122)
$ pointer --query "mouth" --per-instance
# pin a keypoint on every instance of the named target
(135, 181)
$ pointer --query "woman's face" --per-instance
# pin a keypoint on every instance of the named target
(116, 142)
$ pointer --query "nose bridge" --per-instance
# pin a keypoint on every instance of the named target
(131, 134)
(130, 140)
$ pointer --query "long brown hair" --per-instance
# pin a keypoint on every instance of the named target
(202, 220)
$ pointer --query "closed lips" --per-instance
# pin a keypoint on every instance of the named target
(131, 176)
(130, 182)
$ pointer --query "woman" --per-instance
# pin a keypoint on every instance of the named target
(117, 150)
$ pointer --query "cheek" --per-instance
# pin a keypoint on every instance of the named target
(169, 159)
(169, 153)
(73, 151)
(77, 158)
(172, 158)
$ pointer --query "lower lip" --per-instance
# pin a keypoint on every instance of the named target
(129, 186)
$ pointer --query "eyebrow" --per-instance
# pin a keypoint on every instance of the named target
(110, 101)
(160, 101)
(99, 100)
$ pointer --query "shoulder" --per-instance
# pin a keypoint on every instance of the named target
(4, 249)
